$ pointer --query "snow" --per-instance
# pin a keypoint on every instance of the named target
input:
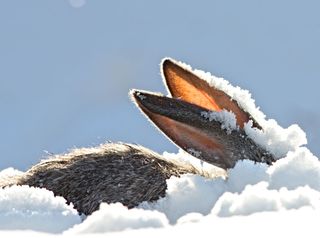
(259, 198)
(299, 168)
(250, 200)
(190, 193)
(204, 168)
(22, 207)
(276, 139)
(9, 175)
(249, 188)
(281, 199)
(226, 118)
(116, 217)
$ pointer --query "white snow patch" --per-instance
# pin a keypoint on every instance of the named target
(116, 217)
(10, 172)
(188, 194)
(245, 173)
(203, 167)
(23, 207)
(293, 223)
(279, 141)
(298, 169)
(9, 175)
(249, 188)
(226, 118)
(258, 198)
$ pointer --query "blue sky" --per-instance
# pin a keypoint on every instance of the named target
(66, 71)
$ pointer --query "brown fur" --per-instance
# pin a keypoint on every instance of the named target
(112, 172)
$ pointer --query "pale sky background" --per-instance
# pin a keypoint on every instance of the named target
(66, 66)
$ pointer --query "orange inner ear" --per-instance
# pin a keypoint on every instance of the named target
(188, 87)
(186, 137)
(188, 92)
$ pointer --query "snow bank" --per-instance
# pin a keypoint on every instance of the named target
(276, 139)
(116, 217)
(293, 223)
(299, 168)
(291, 183)
(259, 198)
(22, 207)
(250, 200)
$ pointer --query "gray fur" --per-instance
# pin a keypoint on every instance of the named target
(112, 172)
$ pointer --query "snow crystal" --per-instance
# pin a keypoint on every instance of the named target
(226, 118)
(23, 207)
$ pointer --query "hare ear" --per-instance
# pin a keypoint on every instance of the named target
(183, 124)
(185, 85)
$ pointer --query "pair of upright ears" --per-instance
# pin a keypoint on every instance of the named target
(180, 117)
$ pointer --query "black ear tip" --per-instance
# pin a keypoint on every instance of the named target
(133, 92)
(141, 97)
(167, 62)
(136, 94)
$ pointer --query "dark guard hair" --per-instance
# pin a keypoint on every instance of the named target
(131, 174)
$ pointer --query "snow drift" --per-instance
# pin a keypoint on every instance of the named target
(252, 199)
(22, 207)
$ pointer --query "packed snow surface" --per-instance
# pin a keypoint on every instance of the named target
(250, 200)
